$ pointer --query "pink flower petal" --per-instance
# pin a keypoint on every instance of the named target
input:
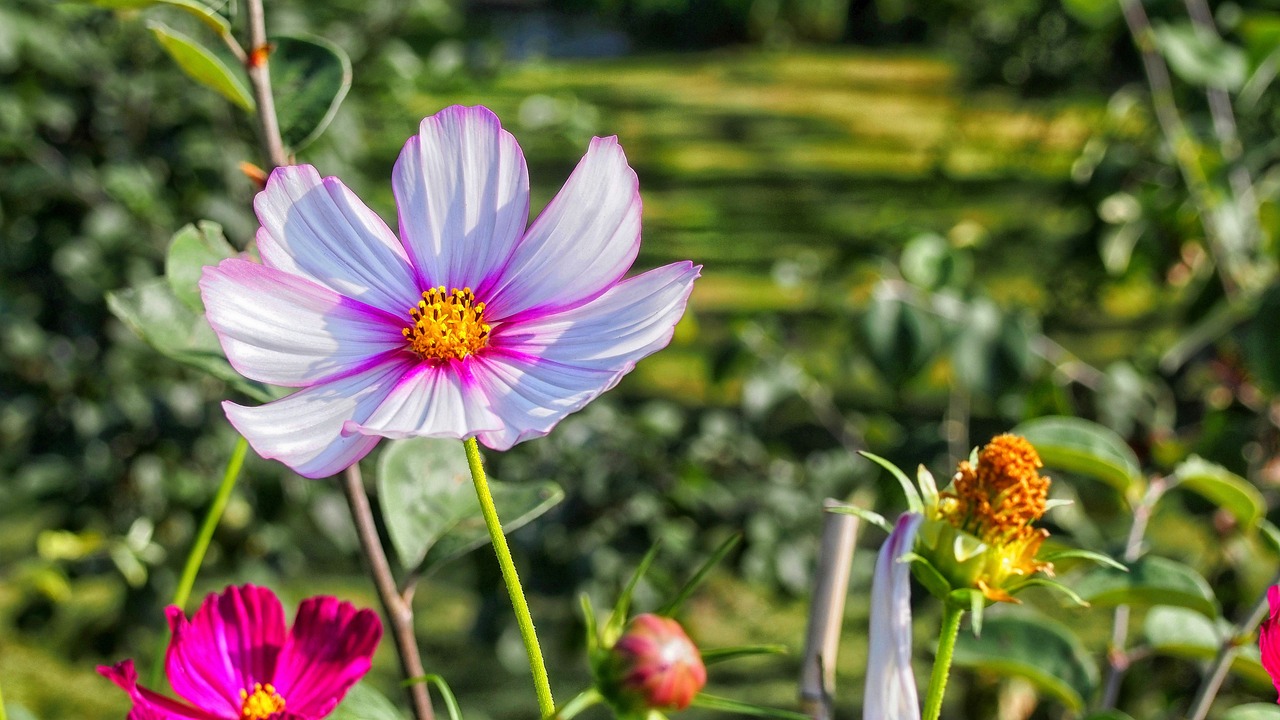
(148, 705)
(328, 650)
(305, 430)
(320, 230)
(1269, 637)
(583, 242)
(541, 370)
(462, 194)
(431, 400)
(285, 330)
(230, 644)
(891, 686)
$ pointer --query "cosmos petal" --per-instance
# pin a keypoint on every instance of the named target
(305, 430)
(285, 330)
(1269, 636)
(431, 400)
(583, 242)
(149, 705)
(891, 686)
(328, 649)
(319, 229)
(462, 195)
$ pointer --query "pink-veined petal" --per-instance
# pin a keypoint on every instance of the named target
(319, 229)
(634, 319)
(328, 650)
(582, 243)
(149, 705)
(532, 395)
(1269, 637)
(462, 195)
(231, 642)
(432, 400)
(891, 686)
(305, 429)
(283, 329)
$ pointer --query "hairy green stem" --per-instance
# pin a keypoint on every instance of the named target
(951, 615)
(201, 546)
(541, 685)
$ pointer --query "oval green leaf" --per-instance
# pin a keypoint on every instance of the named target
(1084, 447)
(364, 703)
(202, 65)
(430, 507)
(175, 330)
(1030, 645)
(1183, 633)
(1151, 580)
(191, 249)
(1253, 711)
(309, 76)
(1223, 488)
(200, 11)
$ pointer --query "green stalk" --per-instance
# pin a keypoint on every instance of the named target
(3, 716)
(196, 557)
(951, 615)
(541, 685)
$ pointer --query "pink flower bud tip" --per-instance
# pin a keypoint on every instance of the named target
(655, 665)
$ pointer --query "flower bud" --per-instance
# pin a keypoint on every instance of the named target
(654, 665)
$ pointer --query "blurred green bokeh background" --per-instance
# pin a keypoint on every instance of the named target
(921, 223)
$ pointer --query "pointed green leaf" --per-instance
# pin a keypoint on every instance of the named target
(310, 76)
(870, 516)
(191, 249)
(1052, 585)
(673, 607)
(1221, 487)
(618, 618)
(715, 702)
(1152, 580)
(1253, 711)
(1024, 643)
(589, 620)
(202, 12)
(732, 653)
(1082, 554)
(201, 65)
(430, 506)
(364, 703)
(157, 316)
(1080, 446)
(914, 502)
(928, 576)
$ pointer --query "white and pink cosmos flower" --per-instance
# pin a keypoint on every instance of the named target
(466, 325)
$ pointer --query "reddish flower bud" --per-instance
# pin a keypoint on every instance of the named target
(654, 665)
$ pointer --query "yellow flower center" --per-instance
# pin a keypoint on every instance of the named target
(999, 498)
(261, 704)
(447, 325)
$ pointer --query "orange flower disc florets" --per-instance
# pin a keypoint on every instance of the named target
(999, 498)
(447, 325)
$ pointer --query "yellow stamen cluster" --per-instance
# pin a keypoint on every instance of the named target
(447, 326)
(261, 704)
(999, 498)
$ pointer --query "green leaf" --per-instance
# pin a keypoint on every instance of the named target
(673, 607)
(1052, 585)
(1202, 58)
(309, 76)
(618, 618)
(1187, 634)
(732, 653)
(1110, 715)
(928, 576)
(446, 694)
(1253, 711)
(430, 505)
(1030, 645)
(1087, 448)
(202, 12)
(1096, 557)
(861, 513)
(914, 501)
(364, 703)
(1152, 580)
(158, 317)
(1223, 488)
(192, 248)
(715, 702)
(589, 620)
(201, 65)
(1097, 13)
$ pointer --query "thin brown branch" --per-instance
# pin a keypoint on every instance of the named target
(257, 65)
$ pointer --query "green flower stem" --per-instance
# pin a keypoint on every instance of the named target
(541, 685)
(198, 550)
(3, 715)
(951, 615)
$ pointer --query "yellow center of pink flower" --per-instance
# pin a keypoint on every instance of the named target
(261, 704)
(447, 325)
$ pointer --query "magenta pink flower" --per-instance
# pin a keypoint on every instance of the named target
(467, 325)
(653, 666)
(235, 661)
(1269, 637)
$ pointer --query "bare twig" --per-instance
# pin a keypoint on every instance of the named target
(1226, 654)
(399, 613)
(826, 611)
(256, 64)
